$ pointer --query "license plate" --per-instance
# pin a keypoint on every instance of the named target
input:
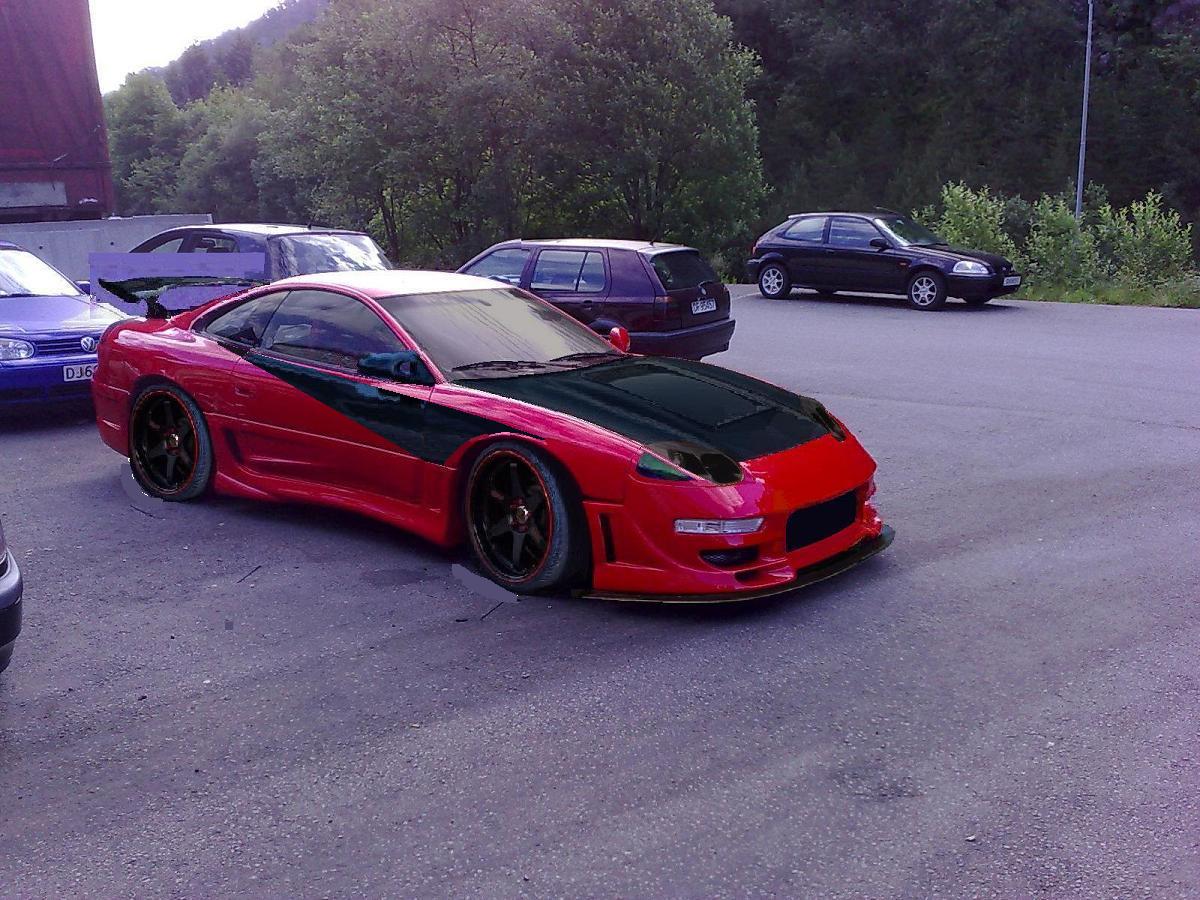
(79, 373)
(703, 306)
(1012, 281)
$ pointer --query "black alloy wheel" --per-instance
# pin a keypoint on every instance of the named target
(170, 450)
(525, 532)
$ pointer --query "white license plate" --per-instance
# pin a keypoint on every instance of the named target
(703, 306)
(1012, 281)
(79, 373)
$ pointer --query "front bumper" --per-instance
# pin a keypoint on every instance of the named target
(40, 380)
(835, 565)
(689, 343)
(966, 287)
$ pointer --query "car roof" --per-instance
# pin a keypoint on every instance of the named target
(260, 229)
(393, 282)
(861, 215)
(601, 244)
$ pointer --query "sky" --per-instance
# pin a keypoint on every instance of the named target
(131, 35)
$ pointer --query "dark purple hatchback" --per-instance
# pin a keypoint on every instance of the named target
(666, 296)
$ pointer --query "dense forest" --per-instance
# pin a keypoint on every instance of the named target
(443, 125)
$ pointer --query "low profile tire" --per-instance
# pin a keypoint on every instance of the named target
(170, 450)
(927, 290)
(525, 521)
(774, 282)
(977, 301)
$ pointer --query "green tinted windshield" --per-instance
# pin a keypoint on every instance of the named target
(464, 329)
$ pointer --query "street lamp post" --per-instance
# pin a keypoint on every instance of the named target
(1087, 92)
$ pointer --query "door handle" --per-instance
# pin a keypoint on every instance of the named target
(240, 390)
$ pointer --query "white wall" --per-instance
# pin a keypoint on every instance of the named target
(67, 245)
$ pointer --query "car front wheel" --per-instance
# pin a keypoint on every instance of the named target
(525, 524)
(927, 290)
(774, 281)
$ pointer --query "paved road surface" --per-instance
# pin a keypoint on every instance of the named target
(231, 698)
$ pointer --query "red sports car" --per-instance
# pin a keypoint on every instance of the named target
(460, 409)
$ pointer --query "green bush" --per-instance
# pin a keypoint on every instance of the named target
(1058, 250)
(975, 219)
(1146, 243)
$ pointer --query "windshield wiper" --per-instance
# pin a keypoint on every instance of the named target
(501, 364)
(587, 354)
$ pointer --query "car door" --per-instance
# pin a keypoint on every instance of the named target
(574, 280)
(803, 247)
(308, 416)
(856, 265)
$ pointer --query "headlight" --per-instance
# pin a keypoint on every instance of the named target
(11, 348)
(718, 526)
(704, 462)
(970, 267)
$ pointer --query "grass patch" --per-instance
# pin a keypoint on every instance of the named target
(1181, 294)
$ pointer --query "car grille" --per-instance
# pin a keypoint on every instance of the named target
(60, 346)
(815, 523)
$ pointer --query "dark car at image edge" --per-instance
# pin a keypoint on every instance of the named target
(880, 252)
(10, 602)
(666, 296)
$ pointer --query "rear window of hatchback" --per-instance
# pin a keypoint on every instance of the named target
(681, 269)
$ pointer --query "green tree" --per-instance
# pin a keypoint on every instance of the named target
(146, 134)
(191, 76)
(217, 169)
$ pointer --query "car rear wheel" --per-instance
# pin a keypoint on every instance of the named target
(525, 524)
(774, 281)
(170, 450)
(927, 290)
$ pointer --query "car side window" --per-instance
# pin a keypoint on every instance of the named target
(211, 243)
(329, 329)
(505, 264)
(579, 271)
(810, 231)
(246, 322)
(852, 234)
(171, 246)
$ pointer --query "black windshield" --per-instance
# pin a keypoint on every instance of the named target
(907, 232)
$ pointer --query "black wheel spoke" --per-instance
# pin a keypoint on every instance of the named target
(501, 527)
(536, 538)
(159, 450)
(185, 457)
(514, 481)
(518, 546)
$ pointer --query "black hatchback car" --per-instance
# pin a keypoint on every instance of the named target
(876, 253)
(666, 296)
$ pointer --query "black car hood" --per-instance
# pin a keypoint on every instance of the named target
(957, 254)
(652, 399)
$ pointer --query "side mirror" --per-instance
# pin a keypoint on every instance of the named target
(404, 366)
(85, 286)
(619, 338)
(881, 243)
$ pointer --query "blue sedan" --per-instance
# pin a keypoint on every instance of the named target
(49, 330)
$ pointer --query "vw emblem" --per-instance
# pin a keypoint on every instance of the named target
(88, 343)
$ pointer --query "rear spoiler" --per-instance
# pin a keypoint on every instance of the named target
(150, 290)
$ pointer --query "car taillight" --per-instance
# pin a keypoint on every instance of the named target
(666, 309)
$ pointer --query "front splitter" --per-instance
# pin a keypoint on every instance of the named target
(835, 565)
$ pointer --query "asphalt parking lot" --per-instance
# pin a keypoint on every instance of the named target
(228, 697)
